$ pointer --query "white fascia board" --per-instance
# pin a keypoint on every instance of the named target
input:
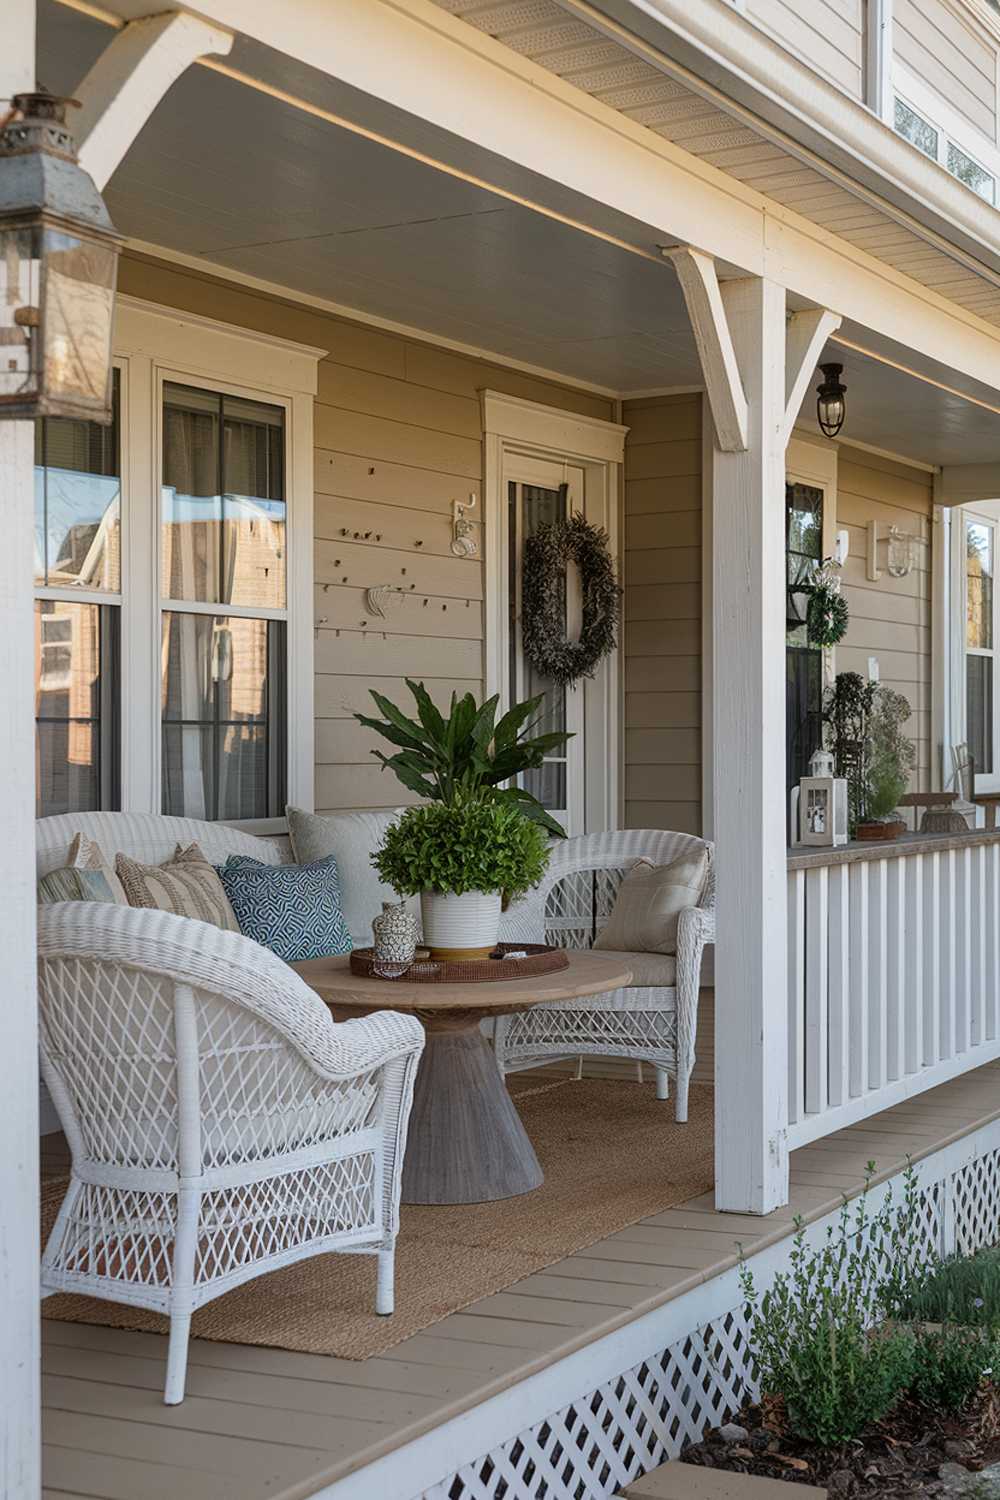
(493, 112)
(714, 50)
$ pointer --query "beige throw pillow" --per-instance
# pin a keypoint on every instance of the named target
(650, 900)
(187, 885)
(85, 854)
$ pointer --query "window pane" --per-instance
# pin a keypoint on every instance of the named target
(76, 707)
(223, 716)
(539, 507)
(979, 711)
(970, 172)
(803, 550)
(223, 505)
(979, 586)
(78, 503)
(917, 131)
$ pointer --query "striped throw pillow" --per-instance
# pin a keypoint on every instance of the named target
(188, 885)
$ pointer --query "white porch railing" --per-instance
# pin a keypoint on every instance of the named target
(893, 974)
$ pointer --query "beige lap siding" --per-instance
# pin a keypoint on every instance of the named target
(890, 619)
(397, 439)
(953, 55)
(662, 576)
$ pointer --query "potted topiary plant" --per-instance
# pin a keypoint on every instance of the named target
(482, 839)
(889, 760)
(465, 861)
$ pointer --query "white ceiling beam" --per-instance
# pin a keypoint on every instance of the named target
(723, 383)
(130, 78)
(805, 337)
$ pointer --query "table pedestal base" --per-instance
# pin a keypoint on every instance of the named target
(466, 1143)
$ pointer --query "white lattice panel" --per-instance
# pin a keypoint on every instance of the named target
(596, 1444)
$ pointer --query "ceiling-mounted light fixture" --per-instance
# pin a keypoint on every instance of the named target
(831, 407)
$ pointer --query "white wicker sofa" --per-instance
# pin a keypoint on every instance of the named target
(220, 1124)
(655, 1020)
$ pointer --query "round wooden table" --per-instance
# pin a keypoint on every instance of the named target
(466, 1143)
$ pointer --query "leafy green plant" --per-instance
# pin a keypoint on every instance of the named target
(863, 727)
(471, 846)
(950, 1365)
(963, 1289)
(891, 756)
(811, 1332)
(467, 756)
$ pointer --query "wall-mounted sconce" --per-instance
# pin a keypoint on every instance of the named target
(464, 541)
(831, 404)
(900, 555)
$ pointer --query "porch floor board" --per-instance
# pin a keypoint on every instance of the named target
(270, 1423)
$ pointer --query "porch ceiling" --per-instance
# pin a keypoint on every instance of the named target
(247, 183)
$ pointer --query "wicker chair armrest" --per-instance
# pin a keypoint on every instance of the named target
(696, 924)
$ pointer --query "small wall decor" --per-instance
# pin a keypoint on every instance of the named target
(900, 551)
(379, 597)
(543, 600)
(827, 615)
(464, 542)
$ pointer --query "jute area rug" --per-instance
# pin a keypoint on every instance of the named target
(611, 1153)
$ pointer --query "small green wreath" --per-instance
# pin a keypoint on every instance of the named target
(827, 615)
(543, 600)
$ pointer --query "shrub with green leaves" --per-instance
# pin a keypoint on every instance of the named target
(963, 1289)
(474, 846)
(950, 1364)
(811, 1332)
(469, 755)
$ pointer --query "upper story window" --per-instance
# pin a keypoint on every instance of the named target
(940, 147)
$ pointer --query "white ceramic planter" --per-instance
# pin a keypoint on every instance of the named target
(460, 926)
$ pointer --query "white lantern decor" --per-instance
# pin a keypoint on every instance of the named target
(822, 803)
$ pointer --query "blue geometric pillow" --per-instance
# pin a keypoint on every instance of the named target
(292, 909)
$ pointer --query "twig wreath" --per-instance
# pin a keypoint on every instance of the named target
(827, 615)
(543, 600)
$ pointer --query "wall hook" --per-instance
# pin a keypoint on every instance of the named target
(464, 542)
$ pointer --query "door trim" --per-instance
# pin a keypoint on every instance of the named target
(515, 426)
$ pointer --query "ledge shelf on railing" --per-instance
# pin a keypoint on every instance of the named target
(893, 972)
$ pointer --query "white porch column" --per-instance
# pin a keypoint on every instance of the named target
(19, 1380)
(748, 606)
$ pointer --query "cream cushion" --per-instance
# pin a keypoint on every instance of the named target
(650, 900)
(85, 854)
(658, 970)
(186, 885)
(350, 838)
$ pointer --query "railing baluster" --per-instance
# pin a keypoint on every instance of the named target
(931, 943)
(977, 918)
(946, 954)
(796, 994)
(896, 977)
(992, 925)
(816, 992)
(960, 974)
(839, 927)
(877, 997)
(858, 998)
(913, 990)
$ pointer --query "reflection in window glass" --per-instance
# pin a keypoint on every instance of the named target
(916, 130)
(223, 701)
(78, 503)
(970, 172)
(803, 550)
(979, 712)
(979, 586)
(76, 706)
(538, 507)
(223, 505)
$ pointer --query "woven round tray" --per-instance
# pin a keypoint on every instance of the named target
(426, 970)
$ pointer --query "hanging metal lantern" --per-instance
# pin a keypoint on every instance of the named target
(58, 271)
(831, 407)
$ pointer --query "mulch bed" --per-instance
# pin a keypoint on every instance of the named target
(914, 1451)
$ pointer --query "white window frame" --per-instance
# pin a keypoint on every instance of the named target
(986, 513)
(952, 128)
(515, 427)
(813, 462)
(158, 344)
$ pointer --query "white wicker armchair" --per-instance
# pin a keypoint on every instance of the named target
(220, 1124)
(655, 1020)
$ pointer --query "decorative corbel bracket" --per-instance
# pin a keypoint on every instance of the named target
(805, 338)
(706, 309)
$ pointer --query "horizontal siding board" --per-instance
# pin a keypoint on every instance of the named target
(389, 526)
(648, 638)
(339, 696)
(357, 477)
(663, 567)
(661, 493)
(361, 565)
(398, 400)
(345, 609)
(364, 653)
(399, 442)
(675, 528)
(682, 601)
